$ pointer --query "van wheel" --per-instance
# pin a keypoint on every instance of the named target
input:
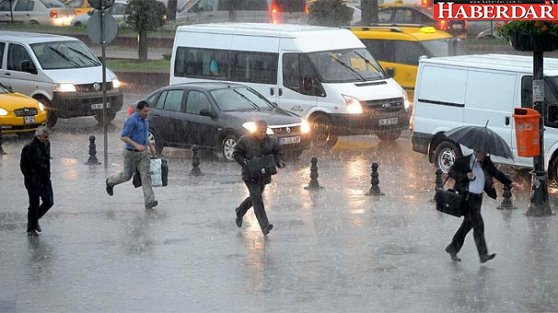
(323, 133)
(389, 135)
(227, 147)
(446, 153)
(156, 142)
(110, 116)
(52, 115)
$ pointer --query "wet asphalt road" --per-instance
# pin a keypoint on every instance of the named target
(333, 250)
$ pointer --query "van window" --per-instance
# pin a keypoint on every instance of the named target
(2, 46)
(254, 67)
(550, 97)
(16, 55)
(196, 102)
(64, 54)
(296, 68)
(245, 5)
(344, 66)
(202, 63)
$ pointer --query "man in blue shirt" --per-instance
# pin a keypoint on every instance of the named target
(136, 154)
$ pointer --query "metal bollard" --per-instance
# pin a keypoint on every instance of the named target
(196, 171)
(313, 184)
(439, 182)
(506, 203)
(92, 152)
(375, 181)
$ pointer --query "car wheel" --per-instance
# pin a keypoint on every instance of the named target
(110, 116)
(227, 147)
(323, 133)
(52, 115)
(157, 142)
(446, 153)
(389, 135)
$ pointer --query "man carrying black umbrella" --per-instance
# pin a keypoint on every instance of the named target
(474, 174)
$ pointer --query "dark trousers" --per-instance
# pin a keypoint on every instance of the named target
(472, 219)
(38, 191)
(255, 199)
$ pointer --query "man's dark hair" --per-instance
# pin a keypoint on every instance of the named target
(142, 104)
(261, 123)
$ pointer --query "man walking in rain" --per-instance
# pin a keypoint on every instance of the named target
(474, 174)
(250, 147)
(136, 154)
(35, 166)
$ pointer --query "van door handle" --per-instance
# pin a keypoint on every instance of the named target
(7, 74)
(271, 91)
(507, 120)
(280, 92)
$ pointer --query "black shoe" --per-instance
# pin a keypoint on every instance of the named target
(267, 229)
(487, 257)
(38, 228)
(238, 221)
(151, 204)
(32, 233)
(110, 189)
(453, 255)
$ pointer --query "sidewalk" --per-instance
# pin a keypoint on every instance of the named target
(333, 250)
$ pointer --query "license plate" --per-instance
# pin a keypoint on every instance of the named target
(457, 26)
(388, 121)
(289, 140)
(99, 106)
(29, 120)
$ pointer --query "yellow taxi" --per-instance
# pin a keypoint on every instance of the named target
(398, 48)
(19, 114)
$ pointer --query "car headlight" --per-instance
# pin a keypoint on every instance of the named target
(305, 127)
(65, 88)
(41, 106)
(406, 102)
(251, 127)
(116, 83)
(353, 105)
(3, 112)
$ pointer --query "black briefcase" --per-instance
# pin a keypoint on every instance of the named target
(449, 201)
(262, 166)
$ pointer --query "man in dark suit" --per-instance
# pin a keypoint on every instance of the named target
(474, 174)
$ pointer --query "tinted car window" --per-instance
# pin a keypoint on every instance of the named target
(173, 100)
(161, 102)
(381, 50)
(384, 16)
(2, 46)
(5, 5)
(404, 16)
(255, 67)
(407, 52)
(24, 5)
(16, 55)
(196, 102)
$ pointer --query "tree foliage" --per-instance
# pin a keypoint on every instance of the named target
(329, 13)
(144, 16)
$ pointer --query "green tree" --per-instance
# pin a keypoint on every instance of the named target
(144, 16)
(369, 12)
(329, 13)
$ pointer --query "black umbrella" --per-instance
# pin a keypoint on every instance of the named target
(481, 138)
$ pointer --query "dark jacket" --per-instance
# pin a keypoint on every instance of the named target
(35, 161)
(461, 167)
(248, 148)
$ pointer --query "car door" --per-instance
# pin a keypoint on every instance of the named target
(23, 10)
(202, 130)
(5, 15)
(14, 75)
(170, 117)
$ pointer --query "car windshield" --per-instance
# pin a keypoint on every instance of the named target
(344, 66)
(240, 99)
(64, 54)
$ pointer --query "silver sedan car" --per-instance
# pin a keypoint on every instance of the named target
(44, 12)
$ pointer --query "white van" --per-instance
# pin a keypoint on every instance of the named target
(61, 72)
(474, 90)
(325, 75)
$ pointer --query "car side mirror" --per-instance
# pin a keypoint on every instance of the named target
(307, 83)
(206, 112)
(390, 71)
(27, 67)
